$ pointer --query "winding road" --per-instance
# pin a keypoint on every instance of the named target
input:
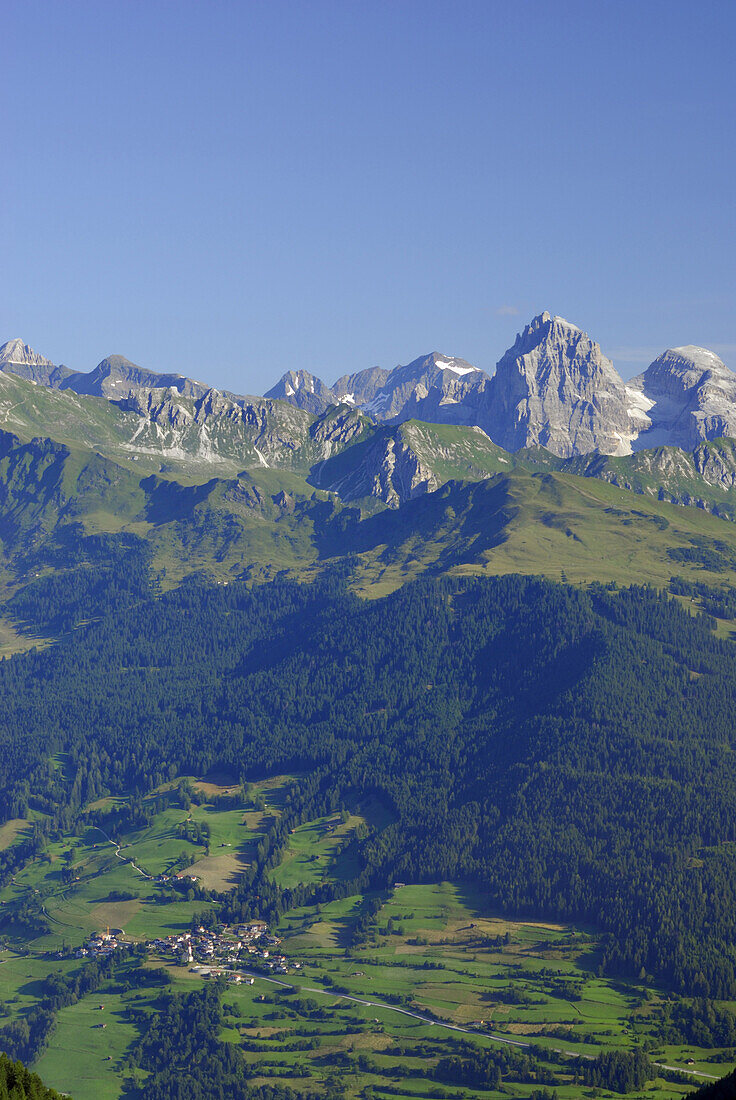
(124, 859)
(434, 1021)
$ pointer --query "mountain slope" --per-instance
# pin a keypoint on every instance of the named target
(397, 464)
(544, 744)
(555, 388)
(63, 509)
(18, 358)
(161, 430)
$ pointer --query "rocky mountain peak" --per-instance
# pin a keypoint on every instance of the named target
(17, 353)
(549, 341)
(20, 359)
(689, 365)
(555, 387)
(693, 395)
(303, 389)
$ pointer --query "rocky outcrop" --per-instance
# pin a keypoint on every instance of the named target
(437, 388)
(360, 388)
(337, 428)
(304, 390)
(396, 464)
(20, 359)
(553, 389)
(556, 388)
(215, 428)
(716, 463)
(116, 378)
(385, 467)
(692, 396)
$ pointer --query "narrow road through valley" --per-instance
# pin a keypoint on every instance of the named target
(434, 1021)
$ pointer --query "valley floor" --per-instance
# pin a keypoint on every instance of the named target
(326, 999)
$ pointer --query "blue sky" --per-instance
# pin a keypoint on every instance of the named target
(231, 190)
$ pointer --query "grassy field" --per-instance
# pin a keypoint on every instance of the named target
(318, 851)
(84, 1052)
(436, 951)
(13, 640)
(435, 969)
(100, 869)
(555, 525)
(11, 831)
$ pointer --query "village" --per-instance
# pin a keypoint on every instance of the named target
(227, 951)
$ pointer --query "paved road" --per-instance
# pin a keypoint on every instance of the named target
(434, 1021)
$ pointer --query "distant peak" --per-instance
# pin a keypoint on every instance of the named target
(692, 351)
(15, 351)
(453, 364)
(116, 361)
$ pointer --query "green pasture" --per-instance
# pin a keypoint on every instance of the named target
(83, 1058)
(435, 949)
(21, 980)
(313, 854)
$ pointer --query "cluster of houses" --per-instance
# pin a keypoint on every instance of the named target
(206, 952)
(101, 944)
(211, 953)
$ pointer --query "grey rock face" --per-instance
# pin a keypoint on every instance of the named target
(214, 428)
(553, 389)
(360, 388)
(556, 388)
(716, 463)
(389, 470)
(337, 428)
(117, 378)
(304, 390)
(20, 359)
(693, 398)
(438, 388)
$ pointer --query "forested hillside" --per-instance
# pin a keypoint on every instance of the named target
(17, 1083)
(570, 751)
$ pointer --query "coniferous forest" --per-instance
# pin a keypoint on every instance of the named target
(569, 751)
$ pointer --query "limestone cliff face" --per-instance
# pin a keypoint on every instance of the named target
(360, 388)
(553, 389)
(304, 390)
(716, 463)
(399, 463)
(338, 428)
(117, 378)
(556, 388)
(20, 359)
(216, 429)
(387, 468)
(438, 388)
(692, 395)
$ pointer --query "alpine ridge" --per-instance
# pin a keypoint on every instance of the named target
(554, 397)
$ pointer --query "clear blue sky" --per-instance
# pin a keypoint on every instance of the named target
(232, 190)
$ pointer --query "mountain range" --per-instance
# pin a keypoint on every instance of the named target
(506, 632)
(554, 387)
(389, 479)
(555, 402)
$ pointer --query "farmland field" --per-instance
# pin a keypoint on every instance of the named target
(377, 989)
